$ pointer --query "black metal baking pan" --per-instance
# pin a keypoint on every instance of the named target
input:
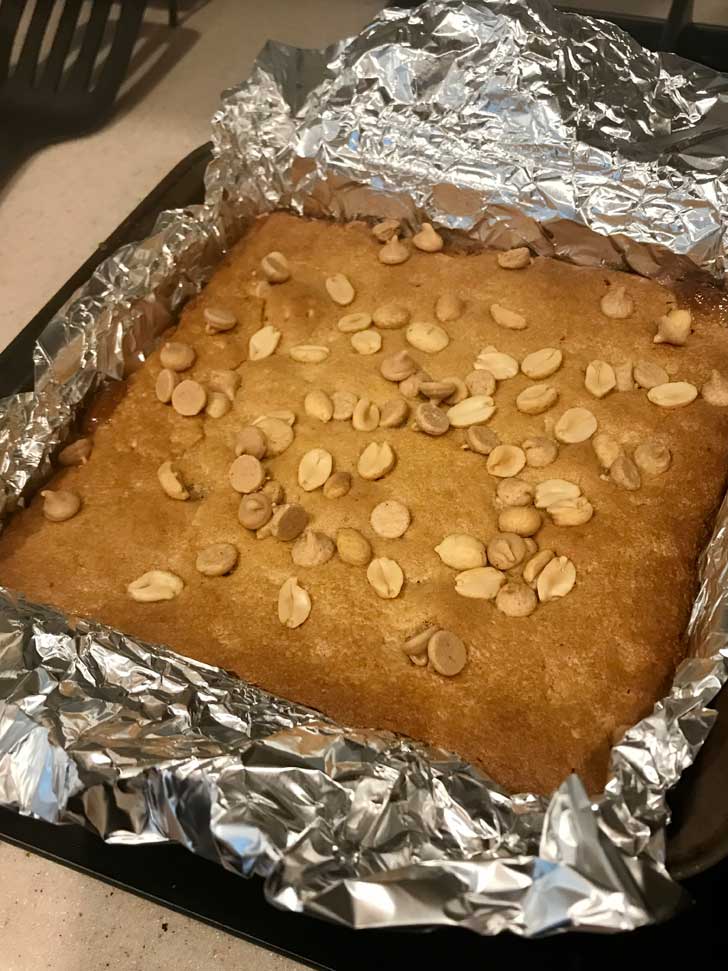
(183, 186)
(175, 878)
(698, 837)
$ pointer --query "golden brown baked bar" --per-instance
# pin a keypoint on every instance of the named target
(540, 695)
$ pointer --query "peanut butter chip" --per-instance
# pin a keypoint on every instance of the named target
(366, 342)
(246, 474)
(77, 453)
(515, 259)
(317, 404)
(366, 416)
(385, 229)
(600, 378)
(314, 469)
(218, 404)
(189, 398)
(481, 440)
(176, 356)
(337, 485)
(438, 390)
(278, 434)
(309, 353)
(352, 547)
(447, 653)
(674, 394)
(226, 382)
(170, 481)
(344, 404)
(255, 510)
(507, 318)
(540, 452)
(649, 375)
(624, 473)
(294, 604)
(501, 366)
(673, 328)
(542, 364)
(431, 420)
(216, 560)
(393, 252)
(426, 337)
(515, 599)
(480, 382)
(391, 316)
(376, 460)
(571, 512)
(536, 399)
(506, 550)
(428, 240)
(481, 583)
(386, 577)
(155, 585)
(390, 519)
(288, 521)
(251, 441)
(533, 568)
(715, 390)
(60, 504)
(448, 307)
(556, 579)
(474, 410)
(340, 290)
(218, 320)
(505, 461)
(352, 323)
(513, 492)
(393, 413)
(397, 367)
(461, 551)
(551, 491)
(167, 381)
(417, 645)
(521, 520)
(275, 267)
(653, 458)
(312, 549)
(617, 303)
(575, 425)
(263, 343)
(606, 449)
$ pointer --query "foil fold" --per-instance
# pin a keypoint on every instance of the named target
(504, 122)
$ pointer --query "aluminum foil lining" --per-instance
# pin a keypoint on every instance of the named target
(503, 122)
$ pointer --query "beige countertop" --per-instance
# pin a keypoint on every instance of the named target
(54, 212)
(68, 198)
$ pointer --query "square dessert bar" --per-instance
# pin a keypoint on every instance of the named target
(458, 496)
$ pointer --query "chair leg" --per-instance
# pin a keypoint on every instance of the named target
(173, 13)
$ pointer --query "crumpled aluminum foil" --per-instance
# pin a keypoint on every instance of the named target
(502, 121)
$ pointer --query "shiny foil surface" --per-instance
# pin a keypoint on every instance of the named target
(505, 123)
